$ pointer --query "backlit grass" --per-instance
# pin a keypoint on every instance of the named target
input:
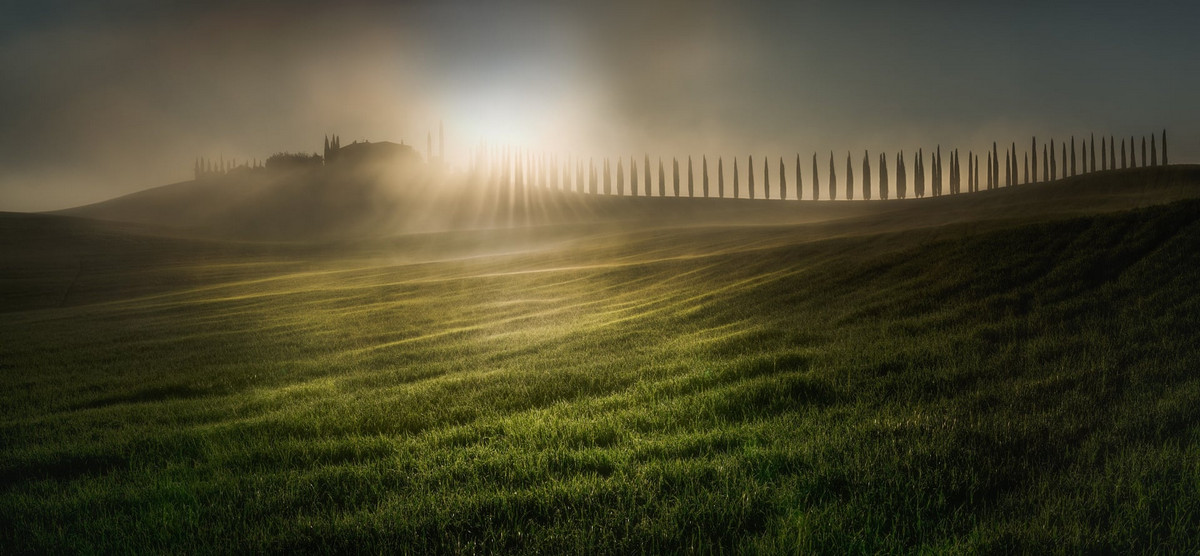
(1021, 386)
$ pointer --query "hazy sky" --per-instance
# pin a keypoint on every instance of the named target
(102, 100)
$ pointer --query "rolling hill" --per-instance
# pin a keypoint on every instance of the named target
(1007, 371)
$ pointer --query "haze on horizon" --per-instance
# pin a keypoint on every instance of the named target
(102, 101)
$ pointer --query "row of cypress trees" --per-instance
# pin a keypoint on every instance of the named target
(508, 168)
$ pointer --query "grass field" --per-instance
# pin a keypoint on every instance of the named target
(956, 384)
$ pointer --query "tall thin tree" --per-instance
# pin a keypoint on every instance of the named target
(766, 178)
(662, 179)
(1145, 159)
(675, 175)
(735, 178)
(1092, 153)
(832, 179)
(883, 176)
(799, 180)
(782, 180)
(750, 174)
(1164, 142)
(866, 184)
(816, 180)
(704, 170)
(849, 178)
(1033, 152)
(1153, 152)
(691, 188)
(720, 177)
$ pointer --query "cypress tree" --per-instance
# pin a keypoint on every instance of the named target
(976, 172)
(607, 178)
(750, 175)
(989, 171)
(866, 186)
(663, 180)
(1112, 154)
(1103, 154)
(816, 180)
(1045, 165)
(1092, 154)
(832, 179)
(647, 183)
(1026, 168)
(970, 171)
(849, 178)
(620, 178)
(1033, 150)
(704, 170)
(720, 177)
(1053, 162)
(675, 175)
(782, 180)
(1164, 142)
(691, 188)
(633, 182)
(799, 180)
(766, 178)
(1064, 158)
(1132, 152)
(1015, 172)
(919, 174)
(1008, 169)
(1153, 152)
(883, 176)
(1145, 159)
(995, 167)
(937, 172)
(735, 178)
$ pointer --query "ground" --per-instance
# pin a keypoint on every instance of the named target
(982, 379)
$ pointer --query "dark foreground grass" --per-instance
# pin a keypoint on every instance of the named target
(1024, 388)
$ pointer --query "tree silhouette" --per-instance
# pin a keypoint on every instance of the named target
(1026, 168)
(989, 170)
(607, 178)
(1103, 154)
(849, 178)
(782, 180)
(1072, 156)
(675, 175)
(832, 179)
(766, 179)
(704, 172)
(799, 180)
(691, 188)
(750, 174)
(647, 184)
(735, 178)
(1112, 153)
(633, 175)
(1145, 159)
(1033, 151)
(1015, 172)
(901, 178)
(995, 167)
(720, 177)
(1045, 165)
(1153, 152)
(883, 176)
(1064, 158)
(919, 174)
(1008, 169)
(816, 180)
(937, 172)
(1092, 153)
(970, 171)
(866, 184)
(1053, 162)
(662, 179)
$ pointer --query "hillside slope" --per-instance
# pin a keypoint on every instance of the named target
(1024, 384)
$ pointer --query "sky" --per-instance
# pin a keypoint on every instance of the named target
(99, 100)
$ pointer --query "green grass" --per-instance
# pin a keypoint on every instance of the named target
(1010, 386)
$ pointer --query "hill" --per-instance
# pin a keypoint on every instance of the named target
(370, 197)
(1006, 372)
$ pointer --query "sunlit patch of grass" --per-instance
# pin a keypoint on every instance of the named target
(1023, 388)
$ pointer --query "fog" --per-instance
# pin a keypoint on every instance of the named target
(99, 102)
